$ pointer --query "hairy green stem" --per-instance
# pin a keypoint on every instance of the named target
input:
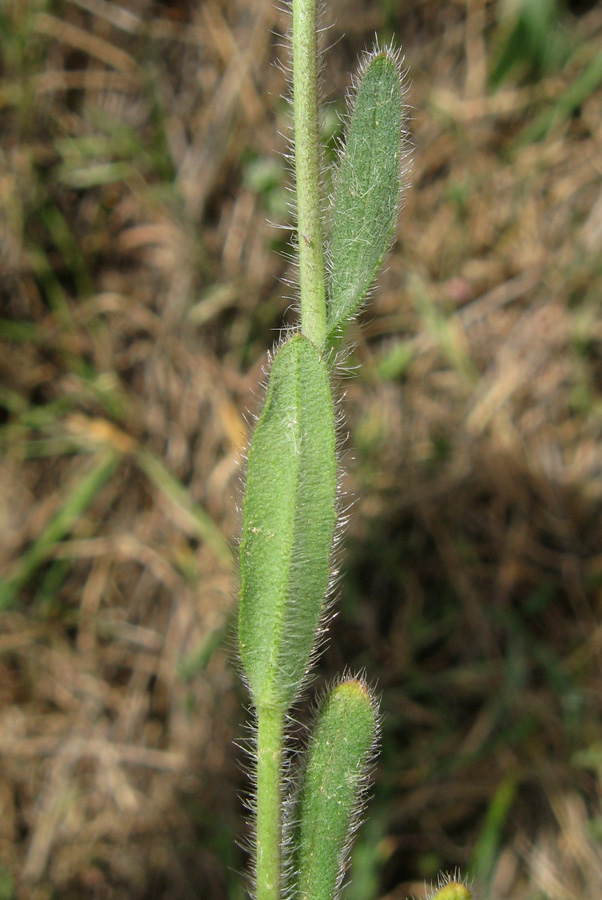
(270, 727)
(307, 168)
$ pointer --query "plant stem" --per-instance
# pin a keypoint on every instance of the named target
(270, 727)
(307, 168)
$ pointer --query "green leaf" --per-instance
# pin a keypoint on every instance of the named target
(289, 520)
(333, 787)
(368, 185)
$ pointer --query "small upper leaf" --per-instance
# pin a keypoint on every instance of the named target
(368, 185)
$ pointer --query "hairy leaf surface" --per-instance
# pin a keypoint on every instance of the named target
(367, 190)
(335, 775)
(289, 520)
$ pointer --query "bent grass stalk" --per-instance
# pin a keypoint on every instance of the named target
(290, 505)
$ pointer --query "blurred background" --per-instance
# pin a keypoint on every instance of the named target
(141, 162)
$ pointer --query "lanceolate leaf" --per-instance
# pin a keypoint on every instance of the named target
(332, 788)
(289, 519)
(367, 189)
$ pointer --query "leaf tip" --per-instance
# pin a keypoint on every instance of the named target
(451, 886)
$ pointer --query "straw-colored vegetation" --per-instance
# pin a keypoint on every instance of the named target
(139, 164)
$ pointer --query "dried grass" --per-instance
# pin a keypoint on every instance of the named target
(148, 280)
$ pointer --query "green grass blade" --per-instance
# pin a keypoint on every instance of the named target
(76, 501)
(19, 331)
(568, 103)
(534, 40)
(488, 844)
(197, 518)
(334, 784)
(289, 519)
(368, 185)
